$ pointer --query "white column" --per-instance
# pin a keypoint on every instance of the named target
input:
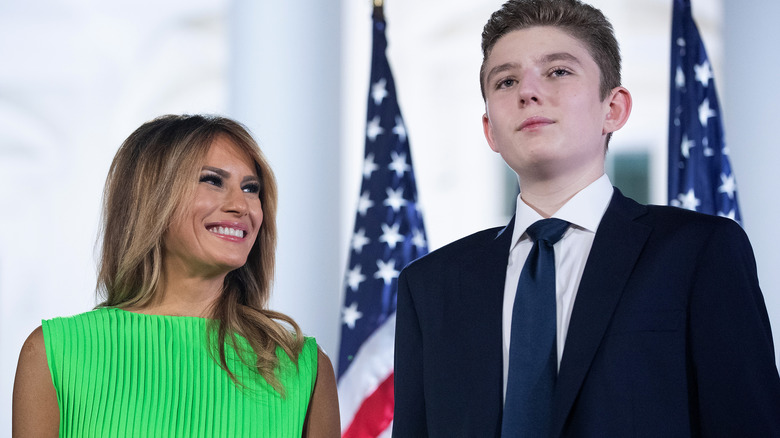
(285, 75)
(751, 110)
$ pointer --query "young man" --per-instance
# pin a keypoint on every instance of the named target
(658, 325)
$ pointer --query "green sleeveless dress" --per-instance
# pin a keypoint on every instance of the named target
(124, 374)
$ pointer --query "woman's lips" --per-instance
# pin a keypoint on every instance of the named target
(228, 230)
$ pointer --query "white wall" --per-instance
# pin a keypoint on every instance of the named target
(76, 77)
(751, 105)
(284, 73)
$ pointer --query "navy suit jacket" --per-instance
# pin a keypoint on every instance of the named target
(669, 335)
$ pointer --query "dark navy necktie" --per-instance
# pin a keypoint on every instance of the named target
(533, 356)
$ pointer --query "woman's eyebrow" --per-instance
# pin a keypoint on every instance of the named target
(221, 172)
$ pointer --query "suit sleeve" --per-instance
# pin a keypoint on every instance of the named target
(736, 379)
(409, 417)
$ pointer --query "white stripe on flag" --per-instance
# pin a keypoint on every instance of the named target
(388, 433)
(371, 366)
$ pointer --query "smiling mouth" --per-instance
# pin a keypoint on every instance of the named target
(226, 231)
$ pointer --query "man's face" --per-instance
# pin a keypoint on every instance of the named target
(544, 114)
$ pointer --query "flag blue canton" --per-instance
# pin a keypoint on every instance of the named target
(389, 230)
(700, 176)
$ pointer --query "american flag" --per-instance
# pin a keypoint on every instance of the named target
(700, 176)
(388, 234)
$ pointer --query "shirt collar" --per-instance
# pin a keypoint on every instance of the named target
(584, 210)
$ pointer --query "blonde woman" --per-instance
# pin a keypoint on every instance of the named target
(184, 344)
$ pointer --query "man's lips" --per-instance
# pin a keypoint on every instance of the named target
(534, 122)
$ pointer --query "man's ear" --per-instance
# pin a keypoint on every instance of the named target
(488, 129)
(618, 107)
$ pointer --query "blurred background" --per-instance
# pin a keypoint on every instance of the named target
(78, 76)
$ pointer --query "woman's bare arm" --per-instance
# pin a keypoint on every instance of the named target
(322, 418)
(35, 409)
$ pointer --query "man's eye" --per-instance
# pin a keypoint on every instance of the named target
(560, 72)
(211, 179)
(505, 83)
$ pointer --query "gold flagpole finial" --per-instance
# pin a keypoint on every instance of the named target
(379, 14)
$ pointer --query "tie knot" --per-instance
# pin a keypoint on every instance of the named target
(550, 230)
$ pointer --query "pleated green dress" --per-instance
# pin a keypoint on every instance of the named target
(124, 374)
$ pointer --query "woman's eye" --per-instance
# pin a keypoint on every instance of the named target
(251, 188)
(214, 180)
(560, 72)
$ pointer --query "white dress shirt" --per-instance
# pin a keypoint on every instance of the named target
(584, 212)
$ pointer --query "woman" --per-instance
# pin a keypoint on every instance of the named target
(183, 344)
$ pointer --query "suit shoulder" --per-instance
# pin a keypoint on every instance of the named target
(675, 217)
(697, 230)
(465, 245)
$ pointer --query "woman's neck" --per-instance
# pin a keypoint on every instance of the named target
(184, 296)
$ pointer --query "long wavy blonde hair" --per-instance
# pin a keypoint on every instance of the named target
(153, 176)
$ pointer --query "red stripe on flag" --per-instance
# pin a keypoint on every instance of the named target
(374, 414)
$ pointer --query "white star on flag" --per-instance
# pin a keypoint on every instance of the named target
(705, 112)
(379, 91)
(728, 186)
(359, 240)
(688, 200)
(391, 236)
(364, 203)
(351, 315)
(395, 199)
(686, 146)
(373, 129)
(398, 165)
(703, 73)
(679, 79)
(419, 239)
(369, 166)
(708, 151)
(386, 271)
(399, 129)
(355, 277)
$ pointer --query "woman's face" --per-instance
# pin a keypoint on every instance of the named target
(220, 224)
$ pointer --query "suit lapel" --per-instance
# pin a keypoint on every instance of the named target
(616, 247)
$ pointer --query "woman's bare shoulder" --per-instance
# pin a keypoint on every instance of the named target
(32, 358)
(35, 408)
(322, 418)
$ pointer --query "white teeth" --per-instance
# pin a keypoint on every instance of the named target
(227, 231)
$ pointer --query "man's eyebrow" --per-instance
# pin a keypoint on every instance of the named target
(560, 56)
(499, 69)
